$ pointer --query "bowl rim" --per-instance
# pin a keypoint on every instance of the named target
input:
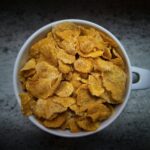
(84, 22)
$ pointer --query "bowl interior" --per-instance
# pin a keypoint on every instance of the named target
(23, 56)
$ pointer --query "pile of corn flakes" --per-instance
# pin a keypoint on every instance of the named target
(73, 78)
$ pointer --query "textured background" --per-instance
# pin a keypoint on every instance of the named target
(129, 21)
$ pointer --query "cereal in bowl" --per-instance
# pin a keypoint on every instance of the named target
(73, 78)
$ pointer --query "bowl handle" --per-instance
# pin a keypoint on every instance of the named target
(140, 78)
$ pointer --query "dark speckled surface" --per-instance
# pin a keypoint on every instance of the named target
(129, 21)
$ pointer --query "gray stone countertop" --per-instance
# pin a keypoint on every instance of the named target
(129, 21)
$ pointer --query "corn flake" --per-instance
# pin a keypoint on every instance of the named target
(56, 122)
(88, 44)
(83, 65)
(46, 108)
(95, 85)
(66, 31)
(65, 89)
(115, 82)
(83, 95)
(102, 65)
(87, 125)
(98, 111)
(64, 68)
(25, 103)
(28, 69)
(74, 80)
(29, 65)
(73, 125)
(64, 57)
(107, 53)
(64, 101)
(43, 87)
(118, 60)
(45, 70)
(87, 31)
(45, 49)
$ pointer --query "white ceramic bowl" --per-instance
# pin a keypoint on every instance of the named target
(22, 56)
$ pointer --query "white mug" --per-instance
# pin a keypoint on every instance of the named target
(142, 83)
